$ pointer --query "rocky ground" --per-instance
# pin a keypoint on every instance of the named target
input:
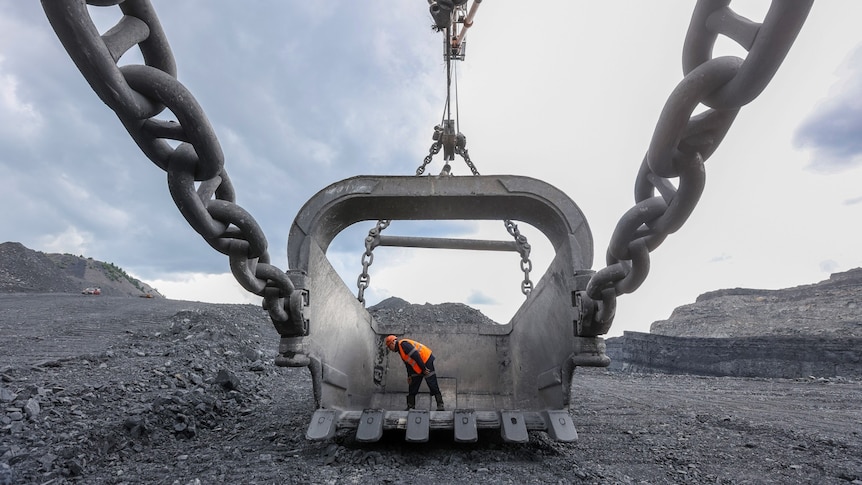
(130, 390)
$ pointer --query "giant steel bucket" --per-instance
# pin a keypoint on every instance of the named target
(515, 377)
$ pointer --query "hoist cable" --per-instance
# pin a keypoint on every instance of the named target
(457, 106)
(448, 52)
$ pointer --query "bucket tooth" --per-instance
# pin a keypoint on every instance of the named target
(513, 427)
(418, 426)
(370, 426)
(322, 425)
(560, 426)
(465, 426)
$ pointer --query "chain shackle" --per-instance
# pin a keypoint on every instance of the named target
(681, 142)
(137, 94)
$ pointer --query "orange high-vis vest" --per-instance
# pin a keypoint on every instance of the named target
(424, 354)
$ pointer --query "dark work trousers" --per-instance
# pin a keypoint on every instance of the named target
(416, 380)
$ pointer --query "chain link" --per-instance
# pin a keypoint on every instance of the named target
(458, 146)
(681, 143)
(137, 94)
(371, 242)
(511, 227)
(435, 149)
(524, 251)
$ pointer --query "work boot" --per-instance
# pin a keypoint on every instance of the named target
(411, 402)
(439, 398)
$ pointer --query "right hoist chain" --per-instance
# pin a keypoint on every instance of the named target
(681, 143)
(520, 240)
(137, 93)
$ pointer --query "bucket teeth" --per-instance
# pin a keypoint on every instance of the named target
(322, 426)
(370, 426)
(418, 426)
(514, 425)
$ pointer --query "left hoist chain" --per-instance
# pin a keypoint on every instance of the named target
(137, 94)
(371, 242)
(434, 150)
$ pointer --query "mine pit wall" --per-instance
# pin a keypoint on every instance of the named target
(773, 357)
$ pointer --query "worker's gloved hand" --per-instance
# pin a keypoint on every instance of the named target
(409, 380)
(427, 372)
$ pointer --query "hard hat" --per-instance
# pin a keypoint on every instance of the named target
(390, 340)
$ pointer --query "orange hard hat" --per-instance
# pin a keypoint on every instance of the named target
(390, 340)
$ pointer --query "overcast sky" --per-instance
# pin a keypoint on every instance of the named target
(303, 94)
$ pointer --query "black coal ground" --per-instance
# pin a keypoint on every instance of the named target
(125, 390)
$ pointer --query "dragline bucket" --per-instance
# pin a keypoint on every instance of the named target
(514, 377)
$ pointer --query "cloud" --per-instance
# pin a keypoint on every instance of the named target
(220, 287)
(70, 241)
(18, 118)
(832, 132)
(304, 98)
(829, 266)
(720, 258)
(477, 298)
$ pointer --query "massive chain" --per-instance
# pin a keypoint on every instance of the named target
(137, 94)
(681, 143)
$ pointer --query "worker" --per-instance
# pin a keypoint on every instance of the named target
(420, 363)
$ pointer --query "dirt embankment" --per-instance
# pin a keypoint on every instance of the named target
(23, 270)
(809, 330)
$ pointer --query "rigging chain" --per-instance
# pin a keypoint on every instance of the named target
(681, 143)
(137, 94)
(521, 243)
(371, 242)
(447, 137)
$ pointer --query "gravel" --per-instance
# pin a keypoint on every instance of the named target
(127, 390)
